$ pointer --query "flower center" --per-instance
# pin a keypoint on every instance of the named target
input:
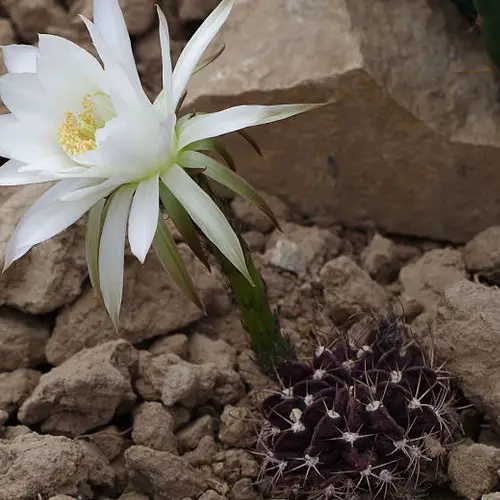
(76, 134)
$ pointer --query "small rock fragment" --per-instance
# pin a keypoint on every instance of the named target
(84, 392)
(180, 415)
(33, 465)
(109, 440)
(132, 495)
(10, 432)
(491, 496)
(153, 427)
(22, 341)
(380, 259)
(16, 387)
(62, 497)
(348, 290)
(426, 279)
(236, 427)
(211, 495)
(176, 343)
(482, 254)
(472, 469)
(299, 248)
(189, 437)
(4, 416)
(255, 240)
(234, 464)
(152, 370)
(229, 388)
(204, 452)
(161, 475)
(188, 384)
(244, 489)
(203, 349)
(251, 372)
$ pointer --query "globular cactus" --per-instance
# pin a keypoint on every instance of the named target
(356, 419)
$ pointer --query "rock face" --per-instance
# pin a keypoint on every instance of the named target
(466, 328)
(399, 93)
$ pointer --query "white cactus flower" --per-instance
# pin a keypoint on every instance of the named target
(92, 129)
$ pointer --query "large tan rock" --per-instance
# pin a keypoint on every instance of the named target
(402, 142)
(51, 274)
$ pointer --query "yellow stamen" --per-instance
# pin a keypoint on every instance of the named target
(76, 134)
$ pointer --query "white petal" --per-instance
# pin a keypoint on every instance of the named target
(143, 218)
(54, 193)
(23, 94)
(67, 72)
(54, 164)
(44, 223)
(111, 252)
(27, 140)
(206, 215)
(109, 20)
(122, 82)
(11, 176)
(86, 191)
(229, 120)
(130, 148)
(167, 106)
(166, 134)
(195, 48)
(20, 58)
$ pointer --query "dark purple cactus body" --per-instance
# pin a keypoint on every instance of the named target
(355, 419)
